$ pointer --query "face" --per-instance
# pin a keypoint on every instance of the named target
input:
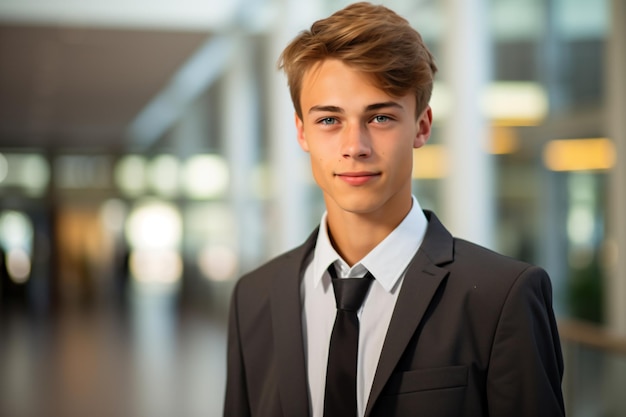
(360, 140)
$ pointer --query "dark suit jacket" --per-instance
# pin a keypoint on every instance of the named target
(472, 334)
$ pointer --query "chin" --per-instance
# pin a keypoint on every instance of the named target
(359, 205)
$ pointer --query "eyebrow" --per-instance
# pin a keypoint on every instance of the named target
(371, 107)
(384, 105)
(331, 109)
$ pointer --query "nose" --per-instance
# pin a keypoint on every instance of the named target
(356, 142)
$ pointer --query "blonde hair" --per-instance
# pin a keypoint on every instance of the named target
(370, 38)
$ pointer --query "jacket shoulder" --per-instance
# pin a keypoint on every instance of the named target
(291, 262)
(484, 258)
(499, 275)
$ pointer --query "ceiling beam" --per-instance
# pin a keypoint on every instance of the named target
(203, 15)
(191, 80)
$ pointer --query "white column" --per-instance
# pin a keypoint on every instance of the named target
(615, 290)
(290, 220)
(241, 139)
(616, 99)
(468, 190)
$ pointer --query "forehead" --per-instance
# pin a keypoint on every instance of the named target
(333, 79)
(329, 71)
(333, 82)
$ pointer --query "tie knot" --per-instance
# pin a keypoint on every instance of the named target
(350, 292)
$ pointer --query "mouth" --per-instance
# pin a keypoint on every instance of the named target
(358, 177)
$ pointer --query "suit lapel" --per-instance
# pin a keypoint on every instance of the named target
(287, 327)
(420, 284)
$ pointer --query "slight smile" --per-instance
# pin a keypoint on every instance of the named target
(357, 178)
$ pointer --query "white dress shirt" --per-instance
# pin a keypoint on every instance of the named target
(388, 263)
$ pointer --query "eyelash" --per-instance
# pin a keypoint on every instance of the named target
(328, 121)
(381, 116)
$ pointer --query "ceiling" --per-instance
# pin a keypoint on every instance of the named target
(78, 88)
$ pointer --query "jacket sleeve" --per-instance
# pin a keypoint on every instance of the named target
(236, 398)
(526, 363)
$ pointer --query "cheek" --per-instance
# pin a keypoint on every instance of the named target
(320, 156)
(317, 163)
(398, 153)
(318, 172)
(403, 159)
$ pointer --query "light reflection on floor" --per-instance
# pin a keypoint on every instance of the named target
(150, 362)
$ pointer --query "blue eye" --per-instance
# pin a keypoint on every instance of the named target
(328, 121)
(380, 119)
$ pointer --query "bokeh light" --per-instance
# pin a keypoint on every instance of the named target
(18, 265)
(217, 262)
(156, 266)
(130, 175)
(205, 176)
(164, 175)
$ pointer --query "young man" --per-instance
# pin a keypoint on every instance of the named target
(446, 328)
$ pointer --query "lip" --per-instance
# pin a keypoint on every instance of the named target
(358, 177)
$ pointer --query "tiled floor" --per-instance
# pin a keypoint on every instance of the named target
(151, 361)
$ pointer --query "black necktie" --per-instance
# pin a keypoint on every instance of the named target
(340, 395)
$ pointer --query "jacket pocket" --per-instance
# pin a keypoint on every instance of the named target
(427, 379)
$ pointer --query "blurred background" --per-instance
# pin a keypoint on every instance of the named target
(148, 159)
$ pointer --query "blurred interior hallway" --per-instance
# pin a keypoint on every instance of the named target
(151, 358)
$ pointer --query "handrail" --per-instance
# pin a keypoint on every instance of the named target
(591, 335)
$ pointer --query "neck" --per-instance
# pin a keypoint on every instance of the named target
(354, 235)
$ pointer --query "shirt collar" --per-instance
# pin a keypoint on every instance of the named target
(387, 261)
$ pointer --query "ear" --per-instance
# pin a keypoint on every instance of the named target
(424, 127)
(301, 136)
